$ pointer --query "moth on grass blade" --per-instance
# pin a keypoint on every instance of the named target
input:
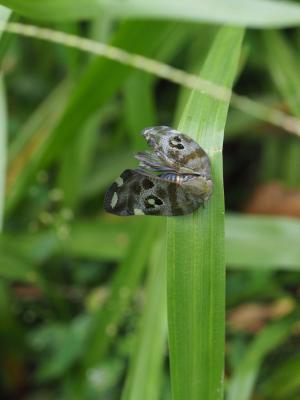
(173, 179)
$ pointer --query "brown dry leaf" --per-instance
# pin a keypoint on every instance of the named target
(275, 199)
(252, 317)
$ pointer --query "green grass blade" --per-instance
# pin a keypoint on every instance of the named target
(145, 371)
(36, 121)
(27, 149)
(105, 321)
(137, 37)
(140, 110)
(139, 106)
(4, 15)
(252, 242)
(35, 248)
(283, 65)
(2, 149)
(242, 383)
(115, 238)
(75, 164)
(262, 242)
(14, 268)
(196, 253)
(106, 170)
(253, 13)
(284, 382)
(134, 36)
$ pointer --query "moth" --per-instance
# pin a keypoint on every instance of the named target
(173, 179)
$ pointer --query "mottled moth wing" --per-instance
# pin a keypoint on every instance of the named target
(137, 193)
(177, 150)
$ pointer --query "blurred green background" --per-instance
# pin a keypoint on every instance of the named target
(83, 294)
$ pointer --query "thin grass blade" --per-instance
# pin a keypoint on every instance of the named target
(283, 64)
(4, 16)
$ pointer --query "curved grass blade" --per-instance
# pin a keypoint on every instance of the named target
(196, 254)
(5, 16)
(252, 13)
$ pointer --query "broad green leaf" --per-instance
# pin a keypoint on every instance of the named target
(252, 13)
(86, 236)
(262, 242)
(252, 242)
(196, 248)
(15, 268)
(35, 248)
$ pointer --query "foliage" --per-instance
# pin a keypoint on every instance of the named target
(98, 307)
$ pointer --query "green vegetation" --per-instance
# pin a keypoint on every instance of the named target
(94, 306)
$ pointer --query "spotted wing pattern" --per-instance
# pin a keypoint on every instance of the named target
(172, 179)
(136, 193)
(177, 150)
